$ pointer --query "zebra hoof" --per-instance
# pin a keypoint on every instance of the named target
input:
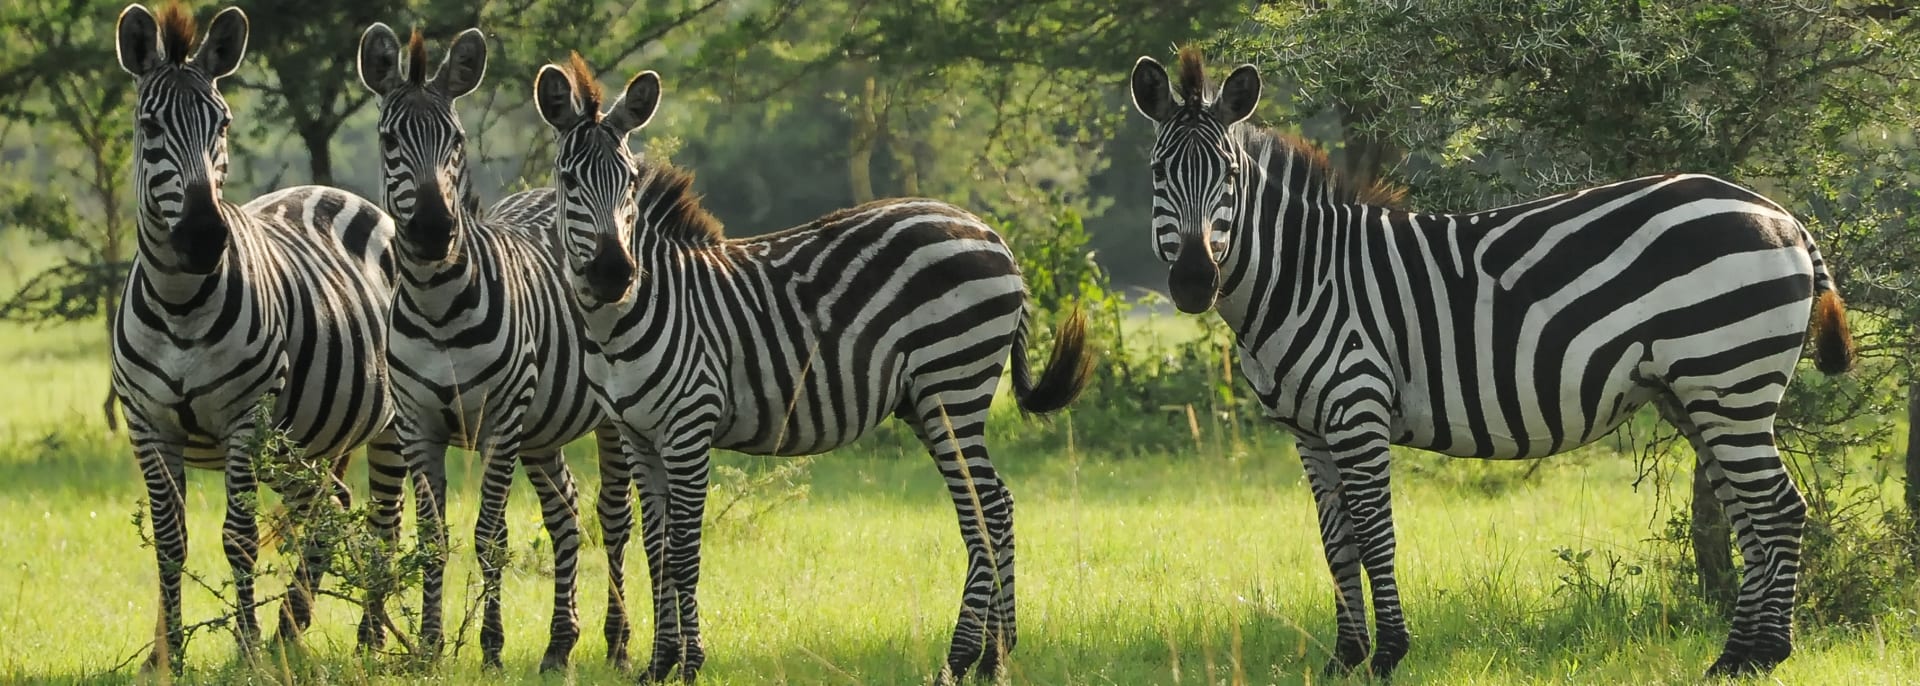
(158, 657)
(552, 663)
(1736, 664)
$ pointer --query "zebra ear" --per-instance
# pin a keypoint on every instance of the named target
(138, 45)
(225, 44)
(1152, 93)
(1238, 96)
(637, 105)
(380, 59)
(465, 65)
(553, 94)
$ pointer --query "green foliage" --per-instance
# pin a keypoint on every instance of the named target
(1497, 100)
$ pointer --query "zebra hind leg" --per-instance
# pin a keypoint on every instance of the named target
(1351, 644)
(615, 507)
(306, 501)
(954, 433)
(559, 511)
(1768, 516)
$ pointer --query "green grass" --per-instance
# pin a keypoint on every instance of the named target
(1156, 569)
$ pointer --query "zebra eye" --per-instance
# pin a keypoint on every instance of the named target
(149, 127)
(388, 141)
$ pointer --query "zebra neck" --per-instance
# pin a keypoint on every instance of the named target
(185, 297)
(1291, 242)
(440, 291)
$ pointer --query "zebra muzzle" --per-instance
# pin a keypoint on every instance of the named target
(199, 238)
(1194, 280)
(610, 274)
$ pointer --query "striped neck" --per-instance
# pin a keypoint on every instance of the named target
(185, 267)
(1292, 210)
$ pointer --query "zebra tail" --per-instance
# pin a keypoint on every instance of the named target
(1833, 343)
(1069, 367)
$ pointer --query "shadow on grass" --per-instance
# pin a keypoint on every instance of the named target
(1460, 638)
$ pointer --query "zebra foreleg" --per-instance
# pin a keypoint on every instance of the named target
(386, 478)
(615, 507)
(1365, 490)
(165, 473)
(559, 510)
(653, 538)
(490, 543)
(240, 534)
(677, 639)
(1343, 558)
(427, 462)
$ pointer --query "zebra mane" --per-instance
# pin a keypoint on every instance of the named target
(584, 85)
(177, 32)
(1378, 192)
(674, 208)
(417, 58)
(1193, 76)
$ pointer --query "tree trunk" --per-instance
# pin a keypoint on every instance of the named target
(860, 158)
(1913, 468)
(319, 153)
(1712, 544)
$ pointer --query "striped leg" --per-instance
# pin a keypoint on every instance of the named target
(164, 469)
(240, 534)
(559, 510)
(308, 501)
(984, 632)
(676, 499)
(386, 478)
(1768, 516)
(615, 507)
(1343, 556)
(427, 462)
(1364, 462)
(490, 543)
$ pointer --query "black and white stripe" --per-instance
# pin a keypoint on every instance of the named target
(488, 351)
(1517, 332)
(791, 343)
(286, 295)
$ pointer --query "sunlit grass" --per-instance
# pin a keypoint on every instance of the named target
(1191, 568)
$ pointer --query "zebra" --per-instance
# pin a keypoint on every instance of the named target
(487, 350)
(796, 342)
(1516, 332)
(227, 305)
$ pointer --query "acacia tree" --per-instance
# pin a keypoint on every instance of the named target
(67, 95)
(1496, 100)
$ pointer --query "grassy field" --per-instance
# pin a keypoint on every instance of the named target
(1155, 569)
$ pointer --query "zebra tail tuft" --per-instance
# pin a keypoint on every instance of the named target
(1833, 344)
(1069, 367)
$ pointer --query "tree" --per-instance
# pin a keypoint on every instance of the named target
(57, 63)
(1496, 100)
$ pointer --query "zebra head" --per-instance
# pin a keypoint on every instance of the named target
(180, 132)
(422, 145)
(1196, 170)
(595, 175)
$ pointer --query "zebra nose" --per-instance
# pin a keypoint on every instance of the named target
(199, 237)
(430, 230)
(1194, 280)
(610, 273)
